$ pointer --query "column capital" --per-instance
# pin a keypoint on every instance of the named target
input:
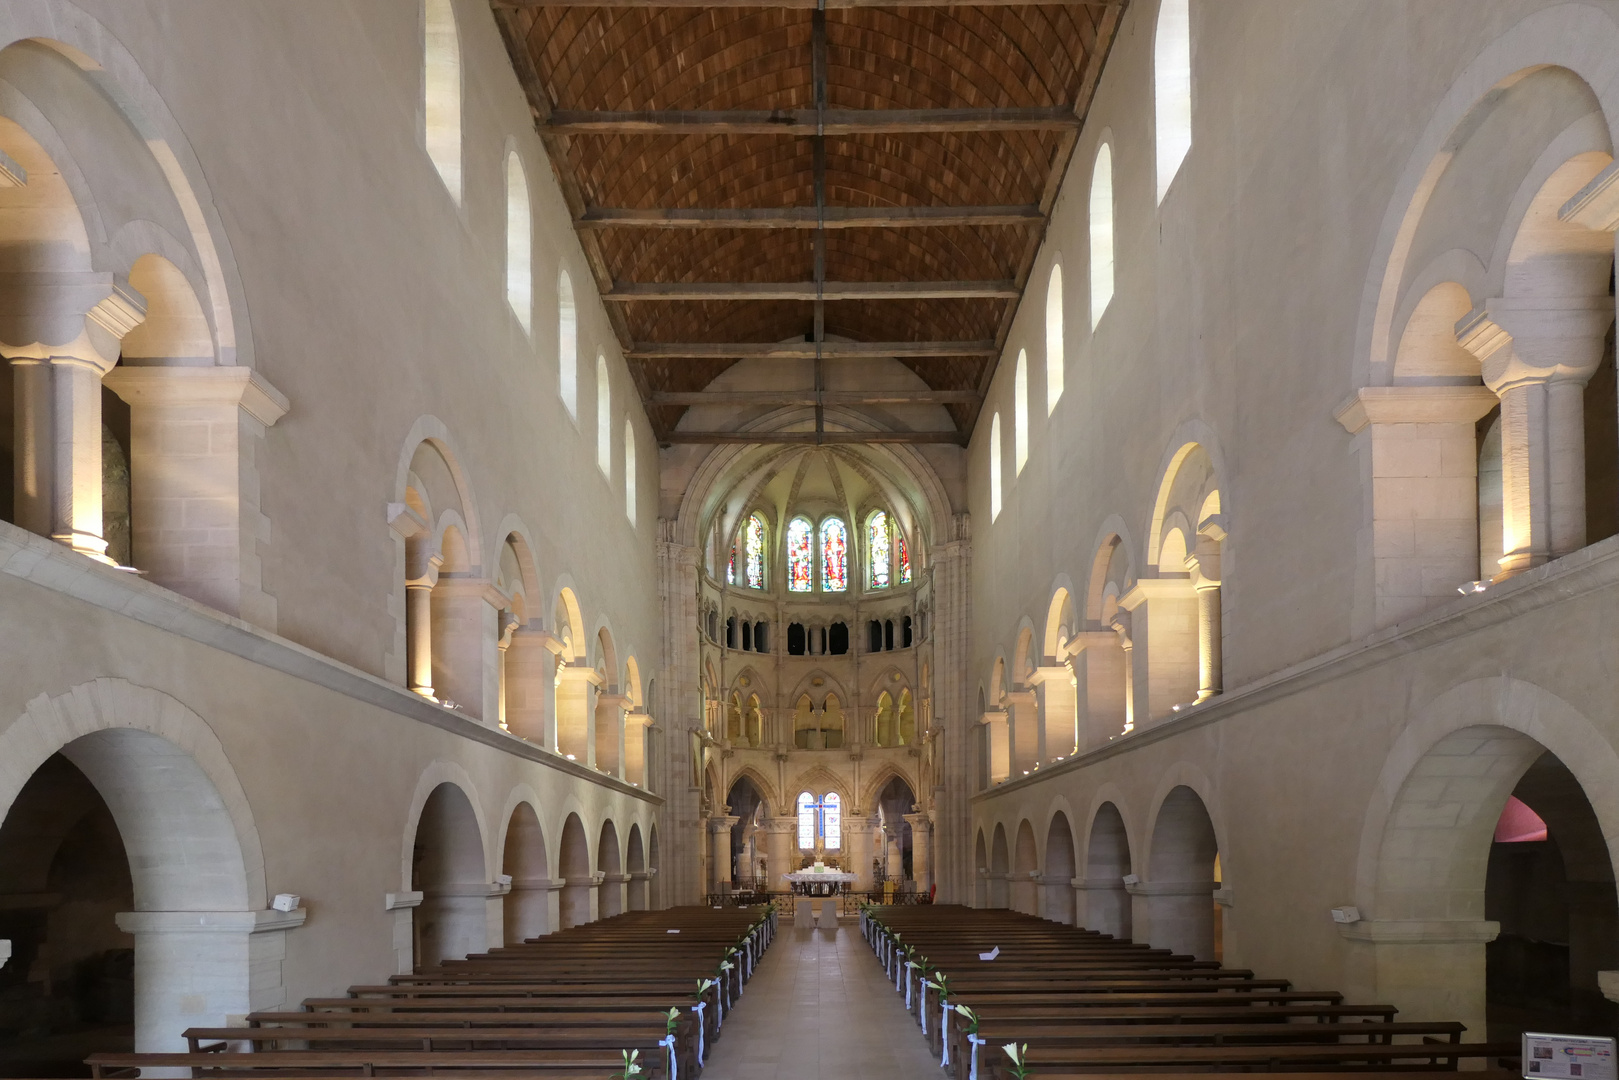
(918, 821)
(719, 823)
(1158, 588)
(241, 387)
(1521, 341)
(78, 315)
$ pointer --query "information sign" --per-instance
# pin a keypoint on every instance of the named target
(1568, 1057)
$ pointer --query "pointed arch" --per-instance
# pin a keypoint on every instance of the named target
(1020, 413)
(604, 417)
(629, 470)
(994, 467)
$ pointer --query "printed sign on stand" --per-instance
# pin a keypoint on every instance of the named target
(1568, 1057)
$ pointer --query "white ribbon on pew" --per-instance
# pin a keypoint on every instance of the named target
(698, 1009)
(944, 1031)
(922, 1006)
(908, 966)
(972, 1073)
(674, 1065)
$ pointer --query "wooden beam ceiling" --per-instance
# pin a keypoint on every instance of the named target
(758, 180)
(808, 290)
(802, 122)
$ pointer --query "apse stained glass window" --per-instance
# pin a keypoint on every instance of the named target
(754, 545)
(806, 821)
(879, 555)
(834, 555)
(832, 821)
(730, 568)
(904, 558)
(800, 563)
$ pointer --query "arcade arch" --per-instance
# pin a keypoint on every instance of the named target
(447, 868)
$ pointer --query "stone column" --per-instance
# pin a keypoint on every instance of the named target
(529, 679)
(860, 830)
(997, 741)
(1431, 970)
(678, 705)
(1121, 625)
(199, 968)
(634, 742)
(575, 716)
(639, 880)
(507, 623)
(465, 668)
(1023, 727)
(1180, 916)
(893, 853)
(1056, 689)
(1163, 628)
(1423, 497)
(781, 844)
(719, 853)
(921, 850)
(1537, 354)
(421, 576)
(62, 333)
(1204, 565)
(195, 438)
(528, 909)
(1099, 663)
(609, 738)
(954, 710)
(1103, 906)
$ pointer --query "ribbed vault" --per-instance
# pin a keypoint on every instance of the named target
(665, 122)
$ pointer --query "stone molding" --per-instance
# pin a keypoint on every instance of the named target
(199, 386)
(210, 922)
(1171, 888)
(1596, 206)
(398, 901)
(1419, 932)
(1415, 405)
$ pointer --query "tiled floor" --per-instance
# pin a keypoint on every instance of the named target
(819, 1007)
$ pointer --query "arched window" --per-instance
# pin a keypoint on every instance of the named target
(519, 234)
(1020, 413)
(441, 93)
(806, 821)
(994, 467)
(753, 543)
(834, 555)
(1054, 341)
(904, 556)
(629, 470)
(567, 345)
(879, 551)
(800, 562)
(604, 418)
(1101, 233)
(832, 821)
(1172, 89)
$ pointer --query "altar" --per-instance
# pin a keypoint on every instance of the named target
(818, 881)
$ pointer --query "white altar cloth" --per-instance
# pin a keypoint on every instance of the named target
(824, 877)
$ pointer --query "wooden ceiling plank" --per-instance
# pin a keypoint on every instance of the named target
(817, 438)
(806, 217)
(623, 292)
(808, 397)
(803, 122)
(806, 350)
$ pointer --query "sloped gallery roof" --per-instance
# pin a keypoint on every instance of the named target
(869, 180)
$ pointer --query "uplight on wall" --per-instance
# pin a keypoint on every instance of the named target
(286, 901)
(1346, 915)
(1472, 587)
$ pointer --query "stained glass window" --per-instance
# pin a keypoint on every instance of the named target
(878, 550)
(904, 559)
(832, 821)
(806, 821)
(800, 563)
(730, 568)
(754, 544)
(834, 555)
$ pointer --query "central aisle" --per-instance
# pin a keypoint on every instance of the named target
(819, 1006)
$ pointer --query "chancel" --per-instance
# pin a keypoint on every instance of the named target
(642, 538)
